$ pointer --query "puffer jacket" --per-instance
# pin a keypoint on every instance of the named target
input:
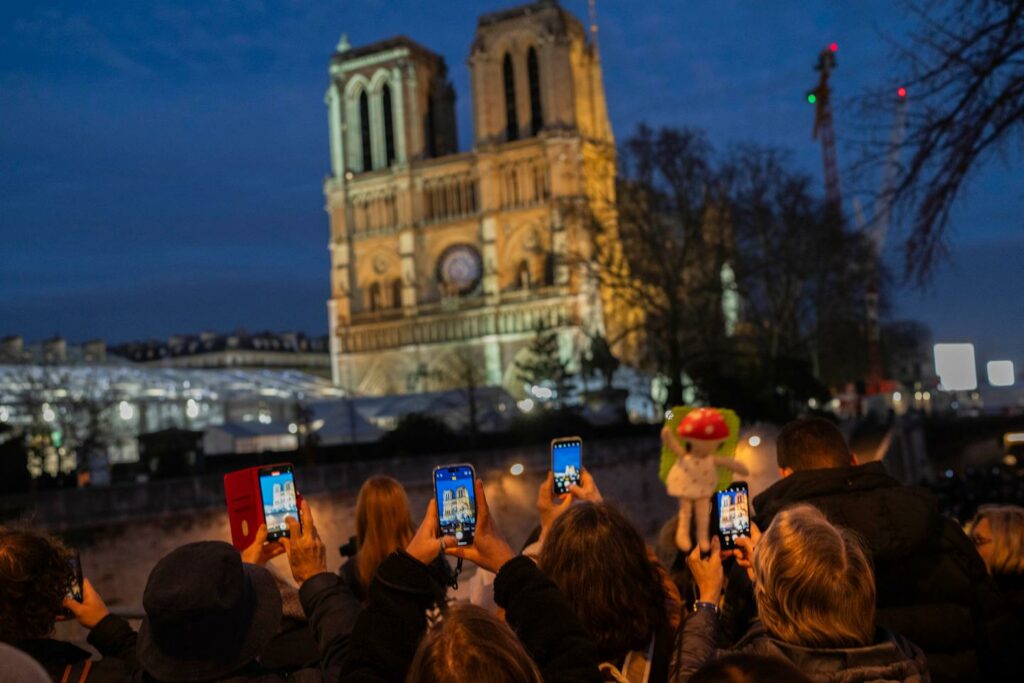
(889, 659)
(932, 586)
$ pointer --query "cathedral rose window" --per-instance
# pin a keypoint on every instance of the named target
(459, 269)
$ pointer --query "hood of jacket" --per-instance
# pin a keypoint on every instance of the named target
(890, 658)
(893, 520)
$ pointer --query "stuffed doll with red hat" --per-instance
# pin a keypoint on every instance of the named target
(696, 443)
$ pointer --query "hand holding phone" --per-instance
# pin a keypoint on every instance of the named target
(731, 513)
(90, 610)
(455, 494)
(490, 550)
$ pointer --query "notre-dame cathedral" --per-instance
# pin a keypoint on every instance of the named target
(445, 262)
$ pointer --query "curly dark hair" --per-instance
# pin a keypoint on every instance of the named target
(35, 575)
(600, 562)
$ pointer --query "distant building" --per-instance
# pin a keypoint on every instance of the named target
(439, 258)
(289, 350)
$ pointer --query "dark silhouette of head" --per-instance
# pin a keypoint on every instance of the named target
(812, 444)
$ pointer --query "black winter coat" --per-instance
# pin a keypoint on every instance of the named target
(394, 620)
(56, 656)
(931, 583)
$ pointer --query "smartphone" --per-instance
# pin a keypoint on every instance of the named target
(566, 462)
(277, 490)
(731, 508)
(456, 501)
(75, 590)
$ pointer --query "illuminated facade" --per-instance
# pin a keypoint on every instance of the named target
(456, 504)
(445, 262)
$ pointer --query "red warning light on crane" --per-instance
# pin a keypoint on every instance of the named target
(902, 92)
(834, 47)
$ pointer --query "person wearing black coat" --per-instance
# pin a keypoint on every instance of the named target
(209, 615)
(931, 585)
(407, 597)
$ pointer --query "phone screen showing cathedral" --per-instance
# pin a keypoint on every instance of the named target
(456, 502)
(733, 516)
(277, 487)
(565, 464)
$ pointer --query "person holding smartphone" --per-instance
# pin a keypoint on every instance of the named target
(551, 646)
(38, 582)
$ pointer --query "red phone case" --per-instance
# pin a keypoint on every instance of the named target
(245, 503)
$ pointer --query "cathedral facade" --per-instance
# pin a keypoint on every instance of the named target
(444, 265)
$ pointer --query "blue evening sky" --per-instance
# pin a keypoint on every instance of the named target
(161, 162)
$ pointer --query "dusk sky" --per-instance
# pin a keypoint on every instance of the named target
(161, 163)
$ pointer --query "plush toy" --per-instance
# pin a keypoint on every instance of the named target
(696, 446)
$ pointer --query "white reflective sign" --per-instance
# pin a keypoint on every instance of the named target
(1000, 373)
(954, 364)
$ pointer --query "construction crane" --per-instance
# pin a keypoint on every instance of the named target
(821, 98)
(877, 230)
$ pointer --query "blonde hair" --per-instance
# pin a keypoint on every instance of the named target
(813, 582)
(383, 524)
(1007, 528)
(471, 645)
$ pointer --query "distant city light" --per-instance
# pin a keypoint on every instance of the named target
(293, 428)
(897, 396)
(1010, 460)
(5, 413)
(812, 403)
(754, 441)
(1000, 373)
(516, 469)
(125, 410)
(264, 418)
(542, 393)
(834, 47)
(48, 414)
(811, 98)
(917, 395)
(526, 405)
(192, 409)
(954, 364)
(901, 91)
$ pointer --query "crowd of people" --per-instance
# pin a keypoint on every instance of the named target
(847, 575)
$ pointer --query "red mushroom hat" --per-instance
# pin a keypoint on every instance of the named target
(703, 424)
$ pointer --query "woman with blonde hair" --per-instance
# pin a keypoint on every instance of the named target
(998, 534)
(815, 594)
(383, 525)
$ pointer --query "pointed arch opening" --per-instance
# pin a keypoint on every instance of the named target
(511, 118)
(536, 108)
(396, 293)
(364, 131)
(389, 125)
(375, 303)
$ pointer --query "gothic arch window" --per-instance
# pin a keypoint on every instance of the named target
(396, 293)
(523, 278)
(511, 120)
(364, 131)
(536, 112)
(389, 125)
(375, 297)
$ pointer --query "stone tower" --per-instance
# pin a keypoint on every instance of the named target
(445, 264)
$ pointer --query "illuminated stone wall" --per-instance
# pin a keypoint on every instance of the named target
(440, 258)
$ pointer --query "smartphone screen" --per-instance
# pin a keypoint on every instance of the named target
(75, 592)
(566, 462)
(277, 488)
(456, 501)
(733, 514)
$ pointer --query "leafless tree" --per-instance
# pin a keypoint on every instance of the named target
(963, 67)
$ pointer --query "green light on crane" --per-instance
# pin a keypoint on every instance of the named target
(811, 98)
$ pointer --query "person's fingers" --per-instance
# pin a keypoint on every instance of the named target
(261, 535)
(755, 533)
(716, 549)
(308, 525)
(693, 558)
(482, 511)
(273, 549)
(286, 543)
(456, 551)
(449, 541)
